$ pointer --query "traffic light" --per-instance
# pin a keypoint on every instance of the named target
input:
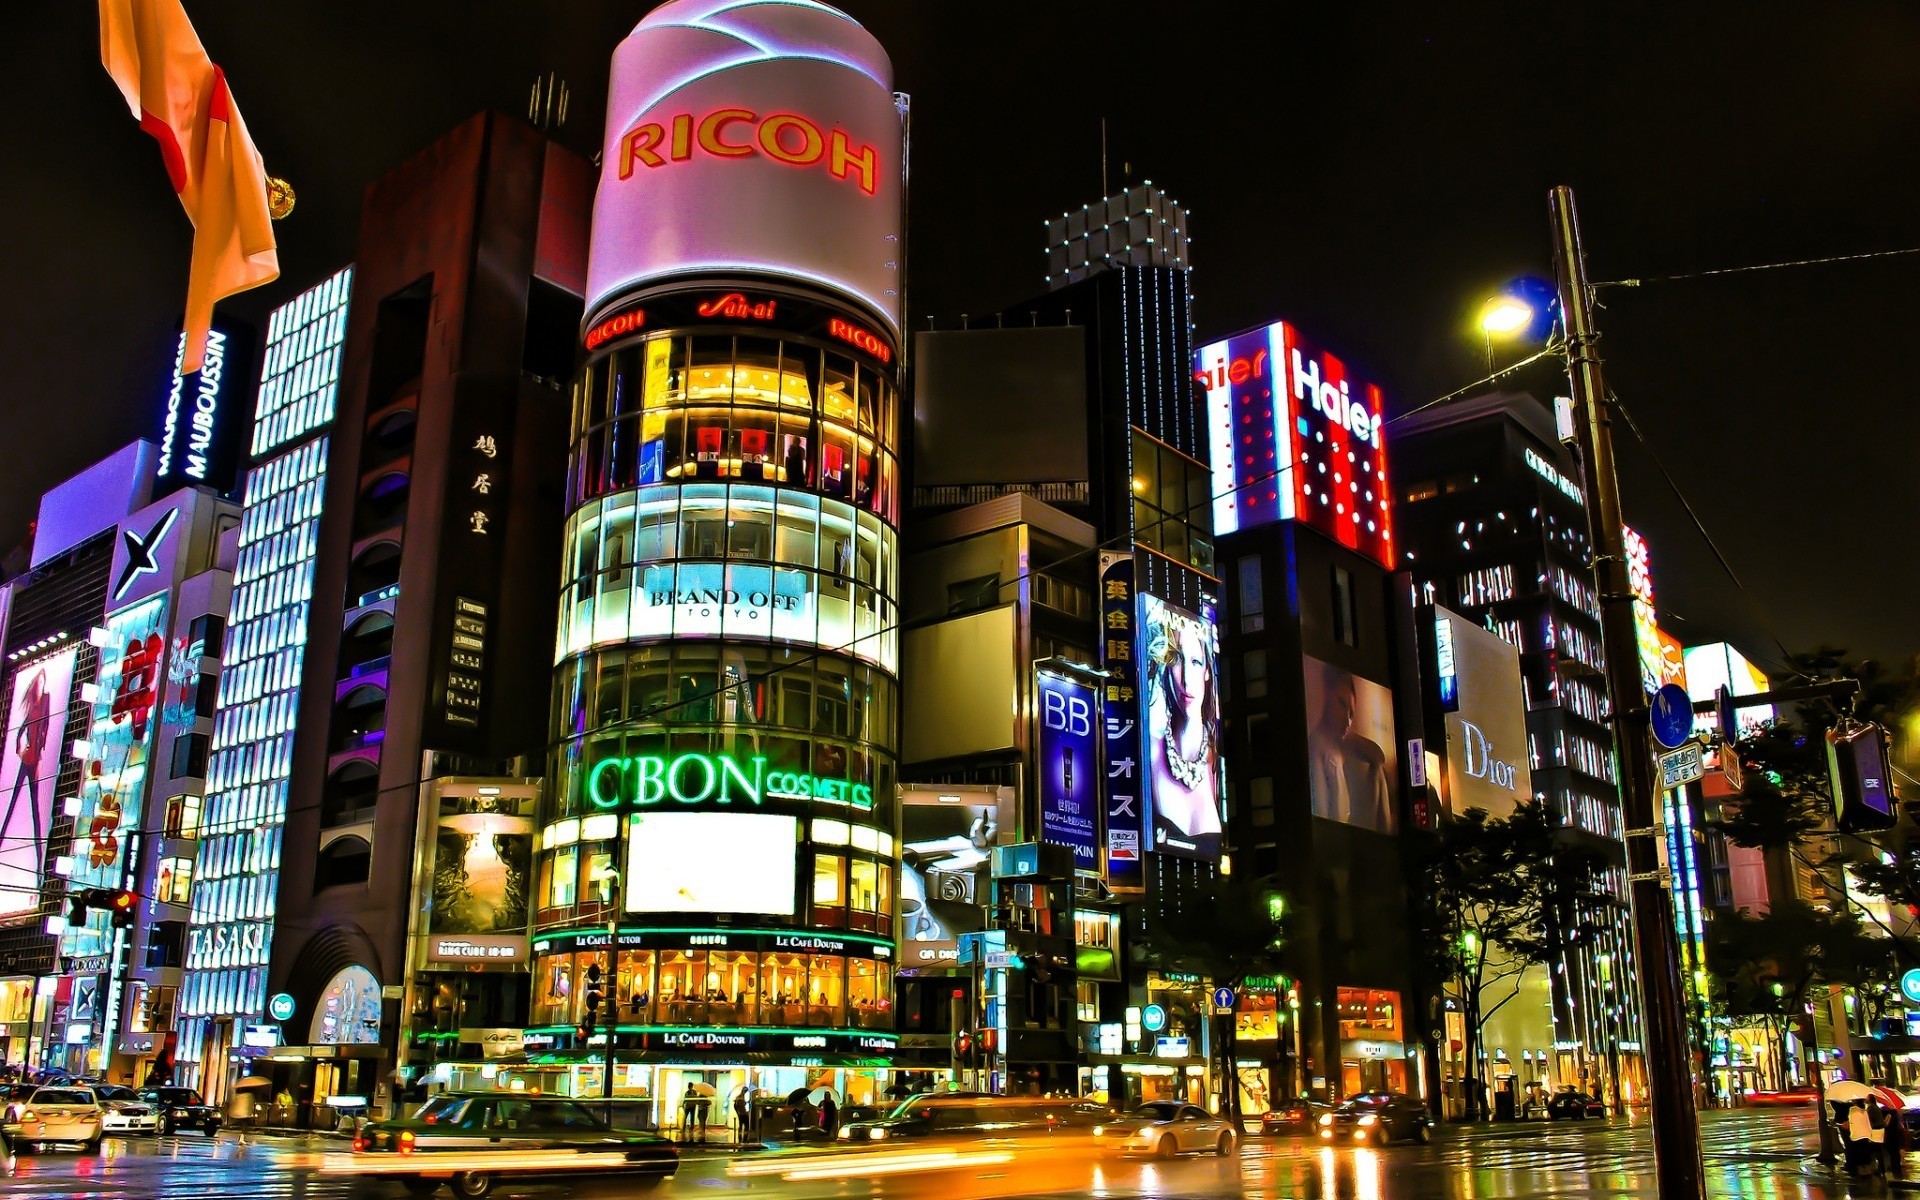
(590, 1001)
(122, 905)
(963, 1049)
(1862, 778)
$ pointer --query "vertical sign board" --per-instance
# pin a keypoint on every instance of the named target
(30, 772)
(472, 553)
(1068, 758)
(1126, 815)
(205, 413)
(113, 784)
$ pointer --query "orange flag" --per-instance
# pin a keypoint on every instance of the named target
(181, 98)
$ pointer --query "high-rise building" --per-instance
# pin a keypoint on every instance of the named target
(393, 703)
(1492, 525)
(722, 795)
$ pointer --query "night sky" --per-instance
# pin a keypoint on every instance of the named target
(1371, 172)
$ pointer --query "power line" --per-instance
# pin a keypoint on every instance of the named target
(1772, 266)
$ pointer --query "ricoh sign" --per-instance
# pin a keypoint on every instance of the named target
(771, 131)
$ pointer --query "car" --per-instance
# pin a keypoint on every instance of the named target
(14, 1097)
(59, 1115)
(923, 1115)
(1293, 1118)
(1575, 1105)
(125, 1111)
(514, 1129)
(182, 1108)
(1165, 1128)
(1790, 1097)
(1378, 1118)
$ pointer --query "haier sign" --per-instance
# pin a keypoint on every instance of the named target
(1295, 436)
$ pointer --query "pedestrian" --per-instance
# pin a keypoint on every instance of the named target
(829, 1117)
(1863, 1140)
(1894, 1144)
(743, 1113)
(689, 1112)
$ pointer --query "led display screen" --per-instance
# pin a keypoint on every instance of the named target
(29, 770)
(1352, 761)
(1180, 719)
(113, 783)
(711, 862)
(770, 134)
(1295, 437)
(480, 869)
(1487, 759)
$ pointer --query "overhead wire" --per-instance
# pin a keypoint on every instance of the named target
(1642, 281)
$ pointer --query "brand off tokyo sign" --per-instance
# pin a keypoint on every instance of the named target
(750, 138)
(1295, 436)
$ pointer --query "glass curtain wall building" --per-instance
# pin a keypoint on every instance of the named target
(230, 937)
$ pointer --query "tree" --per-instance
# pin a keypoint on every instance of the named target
(1498, 895)
(1228, 930)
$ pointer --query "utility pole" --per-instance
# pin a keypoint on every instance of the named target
(1669, 1049)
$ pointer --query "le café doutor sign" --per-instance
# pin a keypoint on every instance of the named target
(645, 780)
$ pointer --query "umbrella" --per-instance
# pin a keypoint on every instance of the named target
(700, 1089)
(900, 1088)
(822, 1093)
(797, 1096)
(1849, 1090)
(254, 1081)
(1892, 1099)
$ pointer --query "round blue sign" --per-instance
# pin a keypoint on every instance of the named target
(1153, 1018)
(1223, 997)
(280, 1008)
(1910, 985)
(1671, 714)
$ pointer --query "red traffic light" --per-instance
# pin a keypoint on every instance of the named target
(123, 902)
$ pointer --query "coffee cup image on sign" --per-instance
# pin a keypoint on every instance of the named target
(945, 880)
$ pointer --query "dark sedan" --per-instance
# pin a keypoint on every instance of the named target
(1378, 1118)
(1293, 1118)
(471, 1142)
(182, 1108)
(950, 1114)
(1575, 1106)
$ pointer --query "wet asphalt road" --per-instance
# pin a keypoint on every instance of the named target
(1760, 1154)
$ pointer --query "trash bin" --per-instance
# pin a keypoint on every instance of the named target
(1503, 1109)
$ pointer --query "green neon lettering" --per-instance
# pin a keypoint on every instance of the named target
(650, 781)
(753, 787)
(678, 770)
(596, 791)
(863, 795)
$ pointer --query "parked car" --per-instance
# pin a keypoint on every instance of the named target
(182, 1108)
(1295, 1118)
(1379, 1118)
(54, 1115)
(1165, 1128)
(514, 1128)
(1792, 1096)
(126, 1111)
(1575, 1105)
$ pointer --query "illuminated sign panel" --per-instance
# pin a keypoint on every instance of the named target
(113, 784)
(1295, 437)
(1646, 625)
(1719, 665)
(1487, 759)
(30, 771)
(1179, 655)
(712, 862)
(771, 132)
(694, 778)
(1069, 756)
(199, 426)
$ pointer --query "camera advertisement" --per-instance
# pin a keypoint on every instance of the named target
(946, 867)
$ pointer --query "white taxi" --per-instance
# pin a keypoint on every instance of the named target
(70, 1115)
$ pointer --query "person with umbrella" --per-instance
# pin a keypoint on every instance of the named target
(829, 1117)
(796, 1108)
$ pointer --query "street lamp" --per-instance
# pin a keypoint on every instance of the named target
(1504, 316)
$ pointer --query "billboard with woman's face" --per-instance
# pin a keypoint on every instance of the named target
(1180, 720)
(1352, 767)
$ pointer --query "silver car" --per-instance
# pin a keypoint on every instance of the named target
(1165, 1128)
(125, 1111)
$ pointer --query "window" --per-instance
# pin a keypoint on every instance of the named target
(206, 694)
(1260, 800)
(972, 595)
(1345, 612)
(1253, 595)
(176, 881)
(190, 756)
(1253, 671)
(1087, 1000)
(183, 816)
(830, 890)
(207, 636)
(561, 890)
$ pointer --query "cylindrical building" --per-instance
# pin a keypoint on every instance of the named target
(722, 787)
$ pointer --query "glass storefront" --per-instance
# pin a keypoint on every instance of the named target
(720, 988)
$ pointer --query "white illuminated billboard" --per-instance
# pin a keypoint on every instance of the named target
(711, 862)
(768, 135)
(1180, 717)
(29, 771)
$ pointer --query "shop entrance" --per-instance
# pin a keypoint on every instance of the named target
(696, 1102)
